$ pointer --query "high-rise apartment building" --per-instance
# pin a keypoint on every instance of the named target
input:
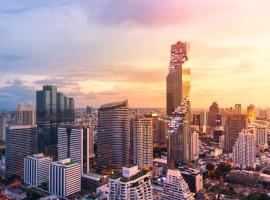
(113, 135)
(24, 116)
(74, 142)
(221, 142)
(237, 109)
(214, 116)
(175, 187)
(3, 124)
(162, 132)
(244, 149)
(195, 145)
(132, 184)
(155, 122)
(142, 142)
(132, 121)
(21, 142)
(160, 127)
(36, 169)
(52, 108)
(179, 147)
(261, 137)
(233, 126)
(178, 83)
(64, 178)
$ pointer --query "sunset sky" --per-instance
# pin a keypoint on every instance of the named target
(99, 51)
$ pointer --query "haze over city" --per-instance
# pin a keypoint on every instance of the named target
(100, 51)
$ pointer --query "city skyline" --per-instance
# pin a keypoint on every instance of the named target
(99, 52)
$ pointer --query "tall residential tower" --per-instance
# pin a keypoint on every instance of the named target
(235, 123)
(21, 142)
(142, 142)
(113, 135)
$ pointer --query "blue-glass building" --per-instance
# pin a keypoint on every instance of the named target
(52, 108)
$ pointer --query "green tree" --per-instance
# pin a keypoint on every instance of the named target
(258, 196)
(210, 166)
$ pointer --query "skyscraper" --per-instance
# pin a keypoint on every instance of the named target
(261, 137)
(179, 147)
(234, 125)
(178, 106)
(21, 142)
(251, 113)
(162, 132)
(113, 135)
(244, 149)
(142, 142)
(214, 117)
(155, 122)
(237, 108)
(160, 127)
(3, 124)
(74, 142)
(195, 145)
(24, 116)
(177, 77)
(175, 187)
(52, 108)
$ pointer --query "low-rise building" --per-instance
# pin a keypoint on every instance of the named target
(243, 177)
(93, 181)
(103, 192)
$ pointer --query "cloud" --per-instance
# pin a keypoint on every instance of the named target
(10, 58)
(246, 66)
(59, 82)
(18, 7)
(16, 92)
(119, 73)
(148, 13)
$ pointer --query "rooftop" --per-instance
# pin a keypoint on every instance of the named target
(175, 172)
(93, 176)
(38, 156)
(131, 178)
(160, 160)
(65, 162)
(114, 104)
(21, 127)
(134, 177)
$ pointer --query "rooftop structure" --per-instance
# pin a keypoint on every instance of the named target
(132, 184)
(179, 54)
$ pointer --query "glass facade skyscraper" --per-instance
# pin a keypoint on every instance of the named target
(178, 79)
(52, 108)
(178, 106)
